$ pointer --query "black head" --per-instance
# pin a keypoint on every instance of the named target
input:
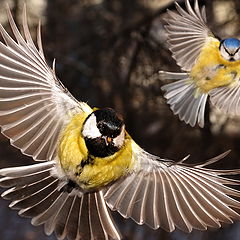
(103, 132)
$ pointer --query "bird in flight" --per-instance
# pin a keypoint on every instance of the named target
(211, 67)
(86, 162)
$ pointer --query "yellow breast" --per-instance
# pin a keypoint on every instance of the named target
(98, 172)
(212, 70)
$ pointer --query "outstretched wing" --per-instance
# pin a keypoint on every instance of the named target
(34, 105)
(36, 194)
(165, 194)
(227, 98)
(187, 33)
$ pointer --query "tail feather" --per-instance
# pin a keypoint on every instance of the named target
(72, 224)
(94, 221)
(176, 89)
(37, 195)
(181, 97)
(61, 220)
(106, 222)
(52, 211)
(84, 223)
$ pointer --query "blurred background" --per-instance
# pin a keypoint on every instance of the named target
(108, 54)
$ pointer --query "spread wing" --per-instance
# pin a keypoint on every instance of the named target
(34, 105)
(227, 98)
(187, 33)
(36, 194)
(165, 194)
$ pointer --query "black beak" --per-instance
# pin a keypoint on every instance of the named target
(231, 59)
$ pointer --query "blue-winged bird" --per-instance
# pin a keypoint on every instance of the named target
(212, 66)
(89, 161)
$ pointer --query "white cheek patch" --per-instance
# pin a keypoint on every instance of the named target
(119, 140)
(224, 54)
(237, 55)
(90, 128)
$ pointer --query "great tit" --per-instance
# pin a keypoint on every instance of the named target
(90, 164)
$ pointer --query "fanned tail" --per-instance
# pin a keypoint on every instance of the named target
(37, 195)
(181, 97)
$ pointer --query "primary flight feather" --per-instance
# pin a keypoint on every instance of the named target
(89, 161)
(211, 66)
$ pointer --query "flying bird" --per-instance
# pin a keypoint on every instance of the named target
(211, 67)
(86, 162)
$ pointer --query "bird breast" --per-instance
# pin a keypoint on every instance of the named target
(87, 171)
(212, 71)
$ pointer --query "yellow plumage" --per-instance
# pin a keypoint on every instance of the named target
(72, 149)
(98, 172)
(210, 67)
(212, 70)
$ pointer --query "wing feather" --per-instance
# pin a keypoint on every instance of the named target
(226, 98)
(187, 33)
(183, 195)
(34, 105)
(138, 211)
(175, 205)
(198, 203)
(29, 49)
(37, 194)
(132, 188)
(166, 194)
(212, 204)
(166, 221)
